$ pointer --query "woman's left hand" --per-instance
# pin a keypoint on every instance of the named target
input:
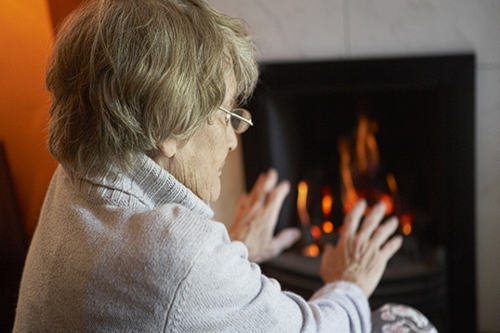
(256, 217)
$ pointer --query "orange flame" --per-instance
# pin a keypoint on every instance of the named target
(327, 205)
(304, 218)
(391, 182)
(315, 232)
(388, 202)
(327, 227)
(406, 229)
(363, 162)
(406, 223)
(349, 196)
(367, 152)
(311, 251)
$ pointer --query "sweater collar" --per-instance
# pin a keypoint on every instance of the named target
(151, 185)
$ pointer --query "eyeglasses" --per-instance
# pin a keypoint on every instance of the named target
(241, 119)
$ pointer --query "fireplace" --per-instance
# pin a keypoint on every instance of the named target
(418, 116)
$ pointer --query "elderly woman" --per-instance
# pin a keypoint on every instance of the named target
(142, 119)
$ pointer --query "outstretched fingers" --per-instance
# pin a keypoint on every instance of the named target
(274, 202)
(372, 221)
(283, 241)
(254, 200)
(384, 231)
(352, 220)
(369, 225)
(391, 247)
(380, 244)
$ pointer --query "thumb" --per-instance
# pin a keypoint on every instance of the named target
(285, 239)
(289, 236)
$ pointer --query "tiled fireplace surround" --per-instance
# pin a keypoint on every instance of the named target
(293, 30)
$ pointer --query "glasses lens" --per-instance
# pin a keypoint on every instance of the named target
(239, 125)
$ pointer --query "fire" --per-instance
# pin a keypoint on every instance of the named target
(311, 251)
(406, 223)
(315, 232)
(305, 220)
(327, 205)
(360, 165)
(360, 177)
(406, 229)
(328, 227)
(391, 183)
(349, 196)
(365, 163)
(367, 152)
(388, 202)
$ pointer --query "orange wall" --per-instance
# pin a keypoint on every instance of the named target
(25, 42)
(59, 9)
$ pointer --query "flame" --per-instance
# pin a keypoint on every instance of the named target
(391, 182)
(349, 196)
(388, 202)
(362, 165)
(367, 152)
(326, 205)
(304, 218)
(406, 223)
(327, 227)
(315, 232)
(311, 251)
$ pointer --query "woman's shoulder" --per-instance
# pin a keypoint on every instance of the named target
(177, 227)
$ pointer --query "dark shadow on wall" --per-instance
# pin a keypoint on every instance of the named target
(13, 247)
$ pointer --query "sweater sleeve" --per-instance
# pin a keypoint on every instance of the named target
(224, 292)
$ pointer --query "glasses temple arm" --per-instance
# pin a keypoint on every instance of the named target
(249, 122)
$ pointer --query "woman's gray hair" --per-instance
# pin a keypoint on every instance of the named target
(125, 75)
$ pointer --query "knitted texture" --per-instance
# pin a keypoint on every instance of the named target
(140, 253)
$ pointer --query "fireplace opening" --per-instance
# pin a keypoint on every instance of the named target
(393, 130)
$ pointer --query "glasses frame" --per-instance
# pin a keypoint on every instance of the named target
(232, 114)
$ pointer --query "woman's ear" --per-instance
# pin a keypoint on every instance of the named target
(168, 148)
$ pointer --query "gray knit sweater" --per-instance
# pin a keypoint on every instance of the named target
(141, 254)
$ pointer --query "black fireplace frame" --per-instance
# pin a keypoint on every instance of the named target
(454, 77)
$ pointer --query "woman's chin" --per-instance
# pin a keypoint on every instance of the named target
(210, 195)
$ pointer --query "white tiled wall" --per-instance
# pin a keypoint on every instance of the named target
(328, 29)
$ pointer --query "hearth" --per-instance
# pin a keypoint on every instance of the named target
(398, 130)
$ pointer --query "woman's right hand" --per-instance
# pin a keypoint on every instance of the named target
(361, 256)
(256, 217)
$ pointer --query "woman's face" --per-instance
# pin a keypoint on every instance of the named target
(198, 163)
